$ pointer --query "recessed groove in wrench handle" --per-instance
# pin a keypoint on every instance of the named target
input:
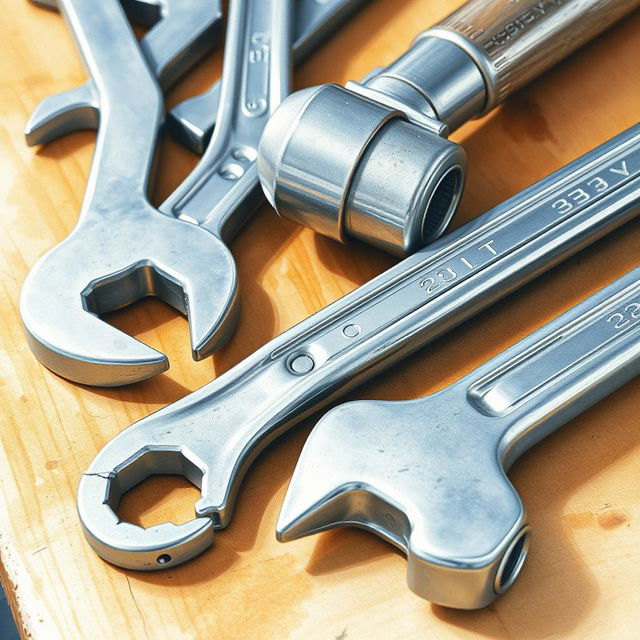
(223, 188)
(563, 368)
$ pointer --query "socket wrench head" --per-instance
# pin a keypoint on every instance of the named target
(347, 166)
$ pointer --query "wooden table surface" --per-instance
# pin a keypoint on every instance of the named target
(582, 578)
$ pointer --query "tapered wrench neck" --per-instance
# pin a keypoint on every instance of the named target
(124, 152)
(223, 189)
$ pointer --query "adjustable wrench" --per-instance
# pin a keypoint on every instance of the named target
(371, 160)
(122, 249)
(213, 435)
(428, 475)
(192, 121)
(184, 31)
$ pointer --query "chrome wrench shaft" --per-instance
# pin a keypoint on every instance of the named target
(213, 435)
(184, 32)
(193, 120)
(110, 261)
(428, 475)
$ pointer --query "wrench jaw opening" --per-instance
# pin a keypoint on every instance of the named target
(424, 480)
(63, 113)
(131, 546)
(148, 448)
(99, 269)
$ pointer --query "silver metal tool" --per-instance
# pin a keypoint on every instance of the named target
(193, 120)
(183, 32)
(122, 249)
(428, 475)
(213, 435)
(371, 160)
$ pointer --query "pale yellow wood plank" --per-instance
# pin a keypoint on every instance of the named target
(580, 486)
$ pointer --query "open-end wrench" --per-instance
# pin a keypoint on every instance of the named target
(371, 160)
(185, 30)
(213, 435)
(193, 120)
(428, 475)
(122, 249)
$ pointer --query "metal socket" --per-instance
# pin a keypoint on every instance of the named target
(347, 166)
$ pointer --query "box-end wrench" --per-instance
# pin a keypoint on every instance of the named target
(371, 160)
(193, 120)
(122, 249)
(213, 435)
(184, 32)
(428, 475)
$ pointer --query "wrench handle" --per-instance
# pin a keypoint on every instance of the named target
(562, 369)
(477, 56)
(515, 42)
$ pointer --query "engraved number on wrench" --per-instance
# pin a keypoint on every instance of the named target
(580, 195)
(621, 319)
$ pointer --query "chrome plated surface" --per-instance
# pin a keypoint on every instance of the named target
(193, 120)
(428, 475)
(454, 71)
(183, 32)
(122, 249)
(213, 435)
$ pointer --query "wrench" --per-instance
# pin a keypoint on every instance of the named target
(371, 160)
(192, 121)
(122, 249)
(212, 436)
(428, 475)
(185, 31)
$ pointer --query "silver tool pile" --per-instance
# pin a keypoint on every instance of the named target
(371, 161)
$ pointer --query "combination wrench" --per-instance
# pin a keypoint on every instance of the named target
(428, 475)
(371, 160)
(123, 249)
(183, 32)
(213, 435)
(193, 120)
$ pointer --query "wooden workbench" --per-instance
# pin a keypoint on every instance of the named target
(581, 487)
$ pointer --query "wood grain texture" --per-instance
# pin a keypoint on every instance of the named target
(582, 579)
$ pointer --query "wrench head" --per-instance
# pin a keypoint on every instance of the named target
(103, 267)
(423, 476)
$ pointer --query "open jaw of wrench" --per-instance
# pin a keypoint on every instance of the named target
(193, 120)
(213, 435)
(122, 249)
(184, 31)
(428, 475)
